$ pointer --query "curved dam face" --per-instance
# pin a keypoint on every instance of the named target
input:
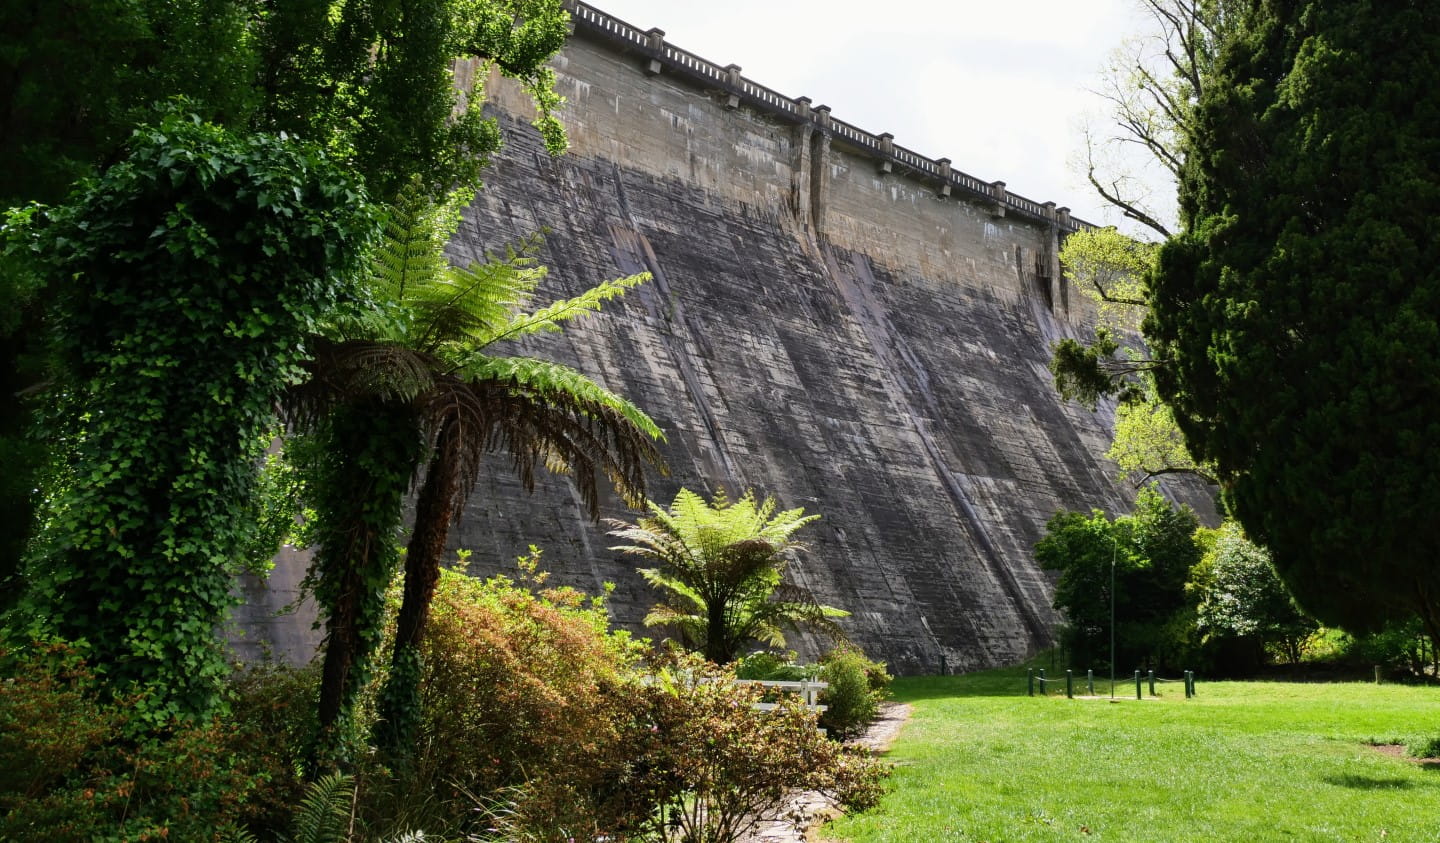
(825, 325)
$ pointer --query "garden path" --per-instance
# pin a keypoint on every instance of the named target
(814, 807)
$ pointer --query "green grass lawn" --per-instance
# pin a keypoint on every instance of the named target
(1243, 761)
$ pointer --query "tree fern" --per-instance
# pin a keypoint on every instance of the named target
(721, 571)
(415, 343)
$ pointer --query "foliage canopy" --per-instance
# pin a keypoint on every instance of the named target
(1298, 310)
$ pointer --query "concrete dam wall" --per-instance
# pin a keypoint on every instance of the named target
(834, 320)
(845, 329)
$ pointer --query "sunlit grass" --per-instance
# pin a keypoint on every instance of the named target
(1243, 761)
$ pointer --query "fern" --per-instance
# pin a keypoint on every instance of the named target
(557, 381)
(721, 571)
(325, 812)
(549, 318)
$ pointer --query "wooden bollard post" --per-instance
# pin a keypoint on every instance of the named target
(1090, 682)
(1152, 683)
(1139, 695)
(1069, 684)
(1043, 691)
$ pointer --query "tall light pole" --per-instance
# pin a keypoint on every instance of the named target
(1114, 551)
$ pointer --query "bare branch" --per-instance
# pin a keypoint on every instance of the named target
(1129, 209)
(1193, 471)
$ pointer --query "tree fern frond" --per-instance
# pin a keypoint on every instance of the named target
(550, 317)
(558, 383)
(462, 309)
(410, 252)
(357, 370)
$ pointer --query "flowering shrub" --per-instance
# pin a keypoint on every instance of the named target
(527, 694)
(715, 767)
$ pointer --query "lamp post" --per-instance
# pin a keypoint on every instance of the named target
(1114, 551)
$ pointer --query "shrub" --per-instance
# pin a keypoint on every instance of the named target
(716, 768)
(857, 687)
(1400, 647)
(772, 667)
(76, 767)
(524, 693)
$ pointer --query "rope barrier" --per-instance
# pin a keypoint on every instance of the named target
(1031, 678)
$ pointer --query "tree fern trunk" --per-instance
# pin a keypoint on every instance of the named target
(358, 479)
(717, 632)
(434, 512)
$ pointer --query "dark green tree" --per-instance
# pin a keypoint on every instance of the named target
(1152, 551)
(189, 276)
(1299, 311)
(721, 571)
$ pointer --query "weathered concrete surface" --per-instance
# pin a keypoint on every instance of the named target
(824, 331)
(888, 372)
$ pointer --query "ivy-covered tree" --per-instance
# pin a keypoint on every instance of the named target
(370, 82)
(721, 572)
(188, 278)
(1299, 311)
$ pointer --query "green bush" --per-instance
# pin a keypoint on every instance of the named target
(1400, 648)
(857, 687)
(528, 696)
(772, 667)
(71, 768)
(715, 767)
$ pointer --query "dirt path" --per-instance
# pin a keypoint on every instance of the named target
(815, 807)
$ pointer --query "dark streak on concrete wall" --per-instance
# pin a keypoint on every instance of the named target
(899, 391)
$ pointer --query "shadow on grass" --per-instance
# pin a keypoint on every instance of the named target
(1355, 782)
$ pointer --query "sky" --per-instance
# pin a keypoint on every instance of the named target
(1002, 88)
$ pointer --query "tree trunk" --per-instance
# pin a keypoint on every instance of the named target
(435, 509)
(717, 647)
(358, 491)
(340, 648)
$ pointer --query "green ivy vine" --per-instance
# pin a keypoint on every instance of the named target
(189, 276)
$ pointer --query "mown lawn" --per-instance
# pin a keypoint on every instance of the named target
(1243, 761)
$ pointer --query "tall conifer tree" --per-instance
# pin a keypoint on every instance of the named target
(1299, 309)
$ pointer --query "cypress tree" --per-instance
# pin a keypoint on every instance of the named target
(1299, 310)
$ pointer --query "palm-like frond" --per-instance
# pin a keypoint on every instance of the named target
(325, 811)
(352, 371)
(721, 570)
(550, 318)
(546, 414)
